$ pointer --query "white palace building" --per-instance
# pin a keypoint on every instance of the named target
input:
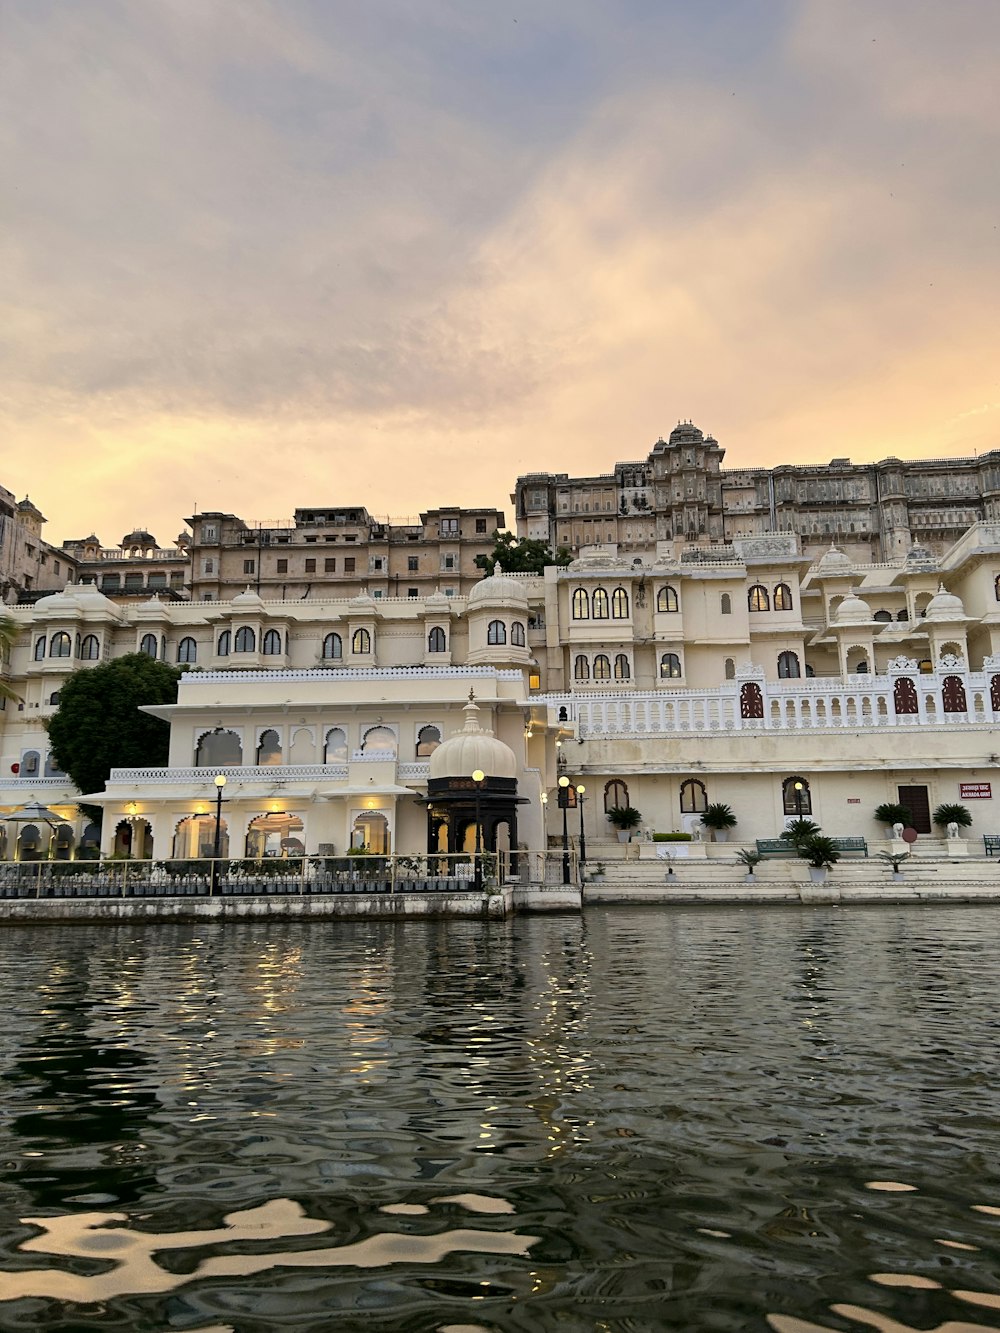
(745, 673)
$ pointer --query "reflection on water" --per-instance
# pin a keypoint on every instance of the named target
(641, 1120)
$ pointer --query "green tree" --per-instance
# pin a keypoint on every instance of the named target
(521, 555)
(8, 637)
(98, 725)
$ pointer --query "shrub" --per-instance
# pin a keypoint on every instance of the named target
(718, 816)
(799, 829)
(892, 813)
(671, 837)
(952, 814)
(624, 817)
(818, 850)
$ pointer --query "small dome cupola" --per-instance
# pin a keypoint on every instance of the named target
(945, 606)
(835, 561)
(853, 610)
(471, 749)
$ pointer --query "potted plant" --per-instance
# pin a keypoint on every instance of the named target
(750, 857)
(894, 859)
(891, 813)
(951, 817)
(597, 873)
(720, 819)
(821, 854)
(798, 830)
(625, 818)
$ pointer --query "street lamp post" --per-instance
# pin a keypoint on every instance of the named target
(798, 800)
(564, 802)
(580, 798)
(478, 778)
(220, 783)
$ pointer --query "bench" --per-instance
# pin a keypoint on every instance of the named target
(846, 846)
(991, 842)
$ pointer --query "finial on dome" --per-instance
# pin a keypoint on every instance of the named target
(497, 571)
(472, 696)
(471, 711)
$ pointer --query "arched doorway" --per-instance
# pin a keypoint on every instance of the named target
(275, 835)
(62, 842)
(194, 838)
(32, 843)
(134, 838)
(371, 830)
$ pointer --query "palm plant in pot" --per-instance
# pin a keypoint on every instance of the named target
(891, 813)
(821, 853)
(749, 857)
(719, 819)
(625, 818)
(798, 830)
(895, 860)
(952, 813)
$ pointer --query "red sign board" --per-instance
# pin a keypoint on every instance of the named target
(975, 791)
(854, 800)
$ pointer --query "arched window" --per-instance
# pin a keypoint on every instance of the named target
(436, 641)
(902, 615)
(61, 645)
(147, 645)
(361, 642)
(623, 668)
(428, 739)
(335, 746)
(599, 604)
(796, 798)
(615, 795)
(602, 667)
(757, 598)
(666, 599)
(245, 641)
(29, 764)
(726, 604)
(517, 634)
(581, 668)
(751, 700)
(218, 749)
(187, 650)
(54, 697)
(996, 587)
(730, 668)
(333, 647)
(222, 648)
(581, 604)
(90, 648)
(496, 632)
(379, 740)
(788, 666)
(39, 648)
(925, 666)
(670, 667)
(882, 617)
(953, 695)
(783, 597)
(271, 644)
(904, 697)
(619, 604)
(694, 797)
(269, 748)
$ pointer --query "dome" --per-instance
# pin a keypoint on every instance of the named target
(363, 604)
(944, 606)
(920, 557)
(140, 537)
(57, 601)
(248, 601)
(498, 587)
(686, 432)
(853, 611)
(471, 748)
(438, 603)
(835, 561)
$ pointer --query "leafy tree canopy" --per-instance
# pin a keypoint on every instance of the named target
(98, 725)
(521, 555)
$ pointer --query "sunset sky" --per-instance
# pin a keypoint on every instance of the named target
(257, 254)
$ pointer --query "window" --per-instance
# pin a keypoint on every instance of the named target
(218, 749)
(335, 746)
(436, 641)
(666, 599)
(783, 597)
(333, 647)
(311, 565)
(147, 645)
(481, 526)
(694, 797)
(330, 564)
(428, 739)
(581, 668)
(788, 666)
(623, 669)
(615, 795)
(222, 647)
(40, 648)
(796, 799)
(379, 740)
(751, 700)
(619, 604)
(411, 593)
(535, 682)
(187, 650)
(282, 565)
(449, 562)
(29, 763)
(517, 634)
(269, 748)
(412, 564)
(602, 667)
(361, 641)
(245, 641)
(377, 562)
(348, 564)
(249, 566)
(726, 604)
(271, 645)
(599, 604)
(882, 617)
(208, 566)
(581, 604)
(670, 666)
(496, 632)
(449, 527)
(996, 587)
(730, 668)
(61, 645)
(757, 598)
(925, 666)
(54, 697)
(208, 532)
(90, 648)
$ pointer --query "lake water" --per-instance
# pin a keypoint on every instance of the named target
(641, 1119)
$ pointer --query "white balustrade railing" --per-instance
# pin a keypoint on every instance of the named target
(205, 777)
